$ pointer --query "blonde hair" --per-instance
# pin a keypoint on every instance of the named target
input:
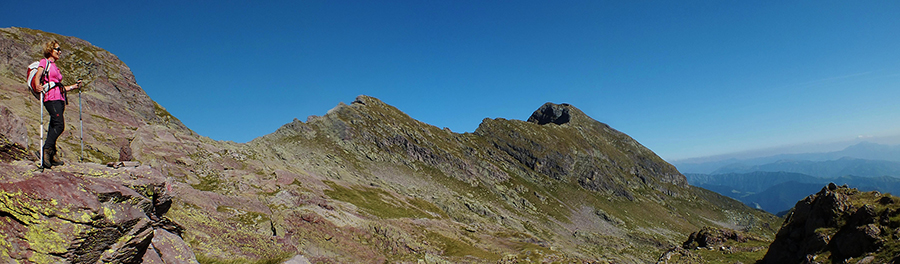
(48, 48)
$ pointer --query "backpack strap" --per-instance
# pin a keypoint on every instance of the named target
(45, 75)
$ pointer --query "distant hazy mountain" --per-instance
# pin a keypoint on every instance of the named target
(776, 192)
(828, 169)
(705, 167)
(863, 150)
(782, 197)
(754, 182)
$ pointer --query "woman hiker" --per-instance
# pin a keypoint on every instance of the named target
(54, 101)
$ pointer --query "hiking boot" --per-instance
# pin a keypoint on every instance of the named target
(45, 160)
(55, 161)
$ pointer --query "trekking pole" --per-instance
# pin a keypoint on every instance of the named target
(41, 142)
(80, 121)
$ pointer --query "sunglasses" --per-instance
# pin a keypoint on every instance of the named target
(57, 49)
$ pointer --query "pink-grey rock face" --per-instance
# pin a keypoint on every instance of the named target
(114, 106)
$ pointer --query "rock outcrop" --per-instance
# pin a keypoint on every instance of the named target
(710, 237)
(717, 245)
(839, 225)
(109, 217)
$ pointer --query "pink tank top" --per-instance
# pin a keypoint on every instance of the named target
(53, 75)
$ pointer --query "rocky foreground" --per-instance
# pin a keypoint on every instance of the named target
(364, 183)
(105, 216)
(840, 225)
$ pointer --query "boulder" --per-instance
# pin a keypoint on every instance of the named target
(298, 259)
(125, 151)
(709, 237)
(13, 127)
(171, 248)
(10, 151)
(13, 136)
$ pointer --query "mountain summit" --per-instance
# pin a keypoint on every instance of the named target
(365, 183)
(554, 113)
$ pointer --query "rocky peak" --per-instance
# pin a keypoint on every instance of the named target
(551, 113)
(368, 100)
(581, 149)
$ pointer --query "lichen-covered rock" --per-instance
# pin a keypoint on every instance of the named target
(10, 151)
(62, 217)
(171, 248)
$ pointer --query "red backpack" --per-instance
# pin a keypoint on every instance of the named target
(32, 72)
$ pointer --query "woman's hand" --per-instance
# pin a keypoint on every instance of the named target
(74, 86)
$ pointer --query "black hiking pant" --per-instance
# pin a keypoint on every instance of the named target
(57, 122)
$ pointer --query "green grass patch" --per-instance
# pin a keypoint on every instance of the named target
(381, 203)
(90, 154)
(102, 118)
(719, 256)
(163, 114)
(244, 217)
(209, 183)
(204, 259)
(423, 205)
(456, 248)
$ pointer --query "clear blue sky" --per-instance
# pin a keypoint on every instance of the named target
(684, 78)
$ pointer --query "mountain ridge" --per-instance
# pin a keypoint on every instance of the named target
(366, 183)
